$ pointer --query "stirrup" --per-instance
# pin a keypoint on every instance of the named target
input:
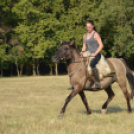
(98, 85)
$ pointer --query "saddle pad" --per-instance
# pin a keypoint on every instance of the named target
(103, 67)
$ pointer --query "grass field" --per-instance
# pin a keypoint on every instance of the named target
(30, 105)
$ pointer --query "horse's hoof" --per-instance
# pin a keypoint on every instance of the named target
(130, 111)
(60, 116)
(88, 113)
(103, 111)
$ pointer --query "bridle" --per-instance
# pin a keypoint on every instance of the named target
(63, 57)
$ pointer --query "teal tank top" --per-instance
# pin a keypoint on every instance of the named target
(91, 43)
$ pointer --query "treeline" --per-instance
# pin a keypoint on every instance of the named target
(31, 30)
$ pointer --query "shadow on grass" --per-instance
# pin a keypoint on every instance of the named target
(110, 110)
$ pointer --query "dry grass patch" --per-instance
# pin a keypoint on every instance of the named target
(30, 105)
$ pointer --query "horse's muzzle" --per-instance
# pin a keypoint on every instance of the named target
(56, 59)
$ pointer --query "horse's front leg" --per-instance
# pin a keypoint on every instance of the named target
(72, 94)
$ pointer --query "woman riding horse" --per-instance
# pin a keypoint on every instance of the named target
(93, 42)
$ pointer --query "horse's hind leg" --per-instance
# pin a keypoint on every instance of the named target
(110, 94)
(84, 99)
(123, 86)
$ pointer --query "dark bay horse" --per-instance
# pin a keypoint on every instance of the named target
(77, 71)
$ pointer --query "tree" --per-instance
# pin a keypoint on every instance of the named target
(3, 57)
(16, 54)
(116, 22)
(4, 31)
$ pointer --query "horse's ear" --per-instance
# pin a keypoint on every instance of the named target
(61, 42)
(72, 42)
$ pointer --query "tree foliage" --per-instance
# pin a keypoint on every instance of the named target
(39, 25)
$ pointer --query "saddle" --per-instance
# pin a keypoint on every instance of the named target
(104, 67)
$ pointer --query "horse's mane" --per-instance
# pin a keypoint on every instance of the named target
(77, 50)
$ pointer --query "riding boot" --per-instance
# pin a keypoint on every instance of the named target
(96, 78)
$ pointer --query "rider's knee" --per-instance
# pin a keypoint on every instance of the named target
(92, 65)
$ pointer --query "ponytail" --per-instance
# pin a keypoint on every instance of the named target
(92, 22)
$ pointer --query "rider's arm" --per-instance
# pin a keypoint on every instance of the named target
(84, 45)
(98, 38)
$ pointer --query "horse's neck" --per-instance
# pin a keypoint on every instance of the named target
(74, 61)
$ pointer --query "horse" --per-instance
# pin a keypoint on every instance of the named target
(79, 80)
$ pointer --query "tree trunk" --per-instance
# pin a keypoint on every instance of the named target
(17, 68)
(38, 71)
(5, 39)
(56, 69)
(34, 67)
(1, 72)
(51, 70)
(21, 70)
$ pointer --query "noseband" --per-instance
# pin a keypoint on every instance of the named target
(67, 55)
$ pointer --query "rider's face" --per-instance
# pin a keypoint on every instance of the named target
(89, 27)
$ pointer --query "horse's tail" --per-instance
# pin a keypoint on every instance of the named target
(130, 77)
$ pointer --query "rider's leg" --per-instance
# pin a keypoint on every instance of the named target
(95, 71)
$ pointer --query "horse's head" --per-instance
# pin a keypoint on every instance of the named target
(64, 51)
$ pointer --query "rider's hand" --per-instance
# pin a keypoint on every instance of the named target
(92, 54)
(81, 54)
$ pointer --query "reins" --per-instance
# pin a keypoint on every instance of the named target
(70, 54)
(81, 58)
(79, 67)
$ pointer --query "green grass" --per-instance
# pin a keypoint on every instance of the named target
(30, 105)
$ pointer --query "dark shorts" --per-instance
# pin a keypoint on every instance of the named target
(95, 60)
